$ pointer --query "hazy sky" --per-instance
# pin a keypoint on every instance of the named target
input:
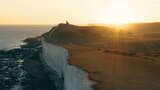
(78, 11)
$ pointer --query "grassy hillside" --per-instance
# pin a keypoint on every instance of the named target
(142, 36)
(117, 58)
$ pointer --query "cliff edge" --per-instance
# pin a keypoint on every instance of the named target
(117, 58)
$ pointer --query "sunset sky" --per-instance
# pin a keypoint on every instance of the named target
(78, 11)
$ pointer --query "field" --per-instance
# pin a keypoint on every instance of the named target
(117, 58)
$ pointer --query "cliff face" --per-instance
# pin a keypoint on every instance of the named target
(56, 58)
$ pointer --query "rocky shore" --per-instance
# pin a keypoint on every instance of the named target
(22, 69)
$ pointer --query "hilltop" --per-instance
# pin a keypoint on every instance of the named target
(131, 35)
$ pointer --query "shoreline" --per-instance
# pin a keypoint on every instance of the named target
(24, 59)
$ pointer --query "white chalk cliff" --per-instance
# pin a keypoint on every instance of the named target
(56, 58)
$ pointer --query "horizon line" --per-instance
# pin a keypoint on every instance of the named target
(76, 24)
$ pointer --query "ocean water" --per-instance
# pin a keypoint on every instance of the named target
(12, 36)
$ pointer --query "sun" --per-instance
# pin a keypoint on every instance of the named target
(119, 12)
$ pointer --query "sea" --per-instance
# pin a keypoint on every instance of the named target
(12, 36)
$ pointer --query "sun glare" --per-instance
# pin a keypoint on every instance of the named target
(119, 13)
